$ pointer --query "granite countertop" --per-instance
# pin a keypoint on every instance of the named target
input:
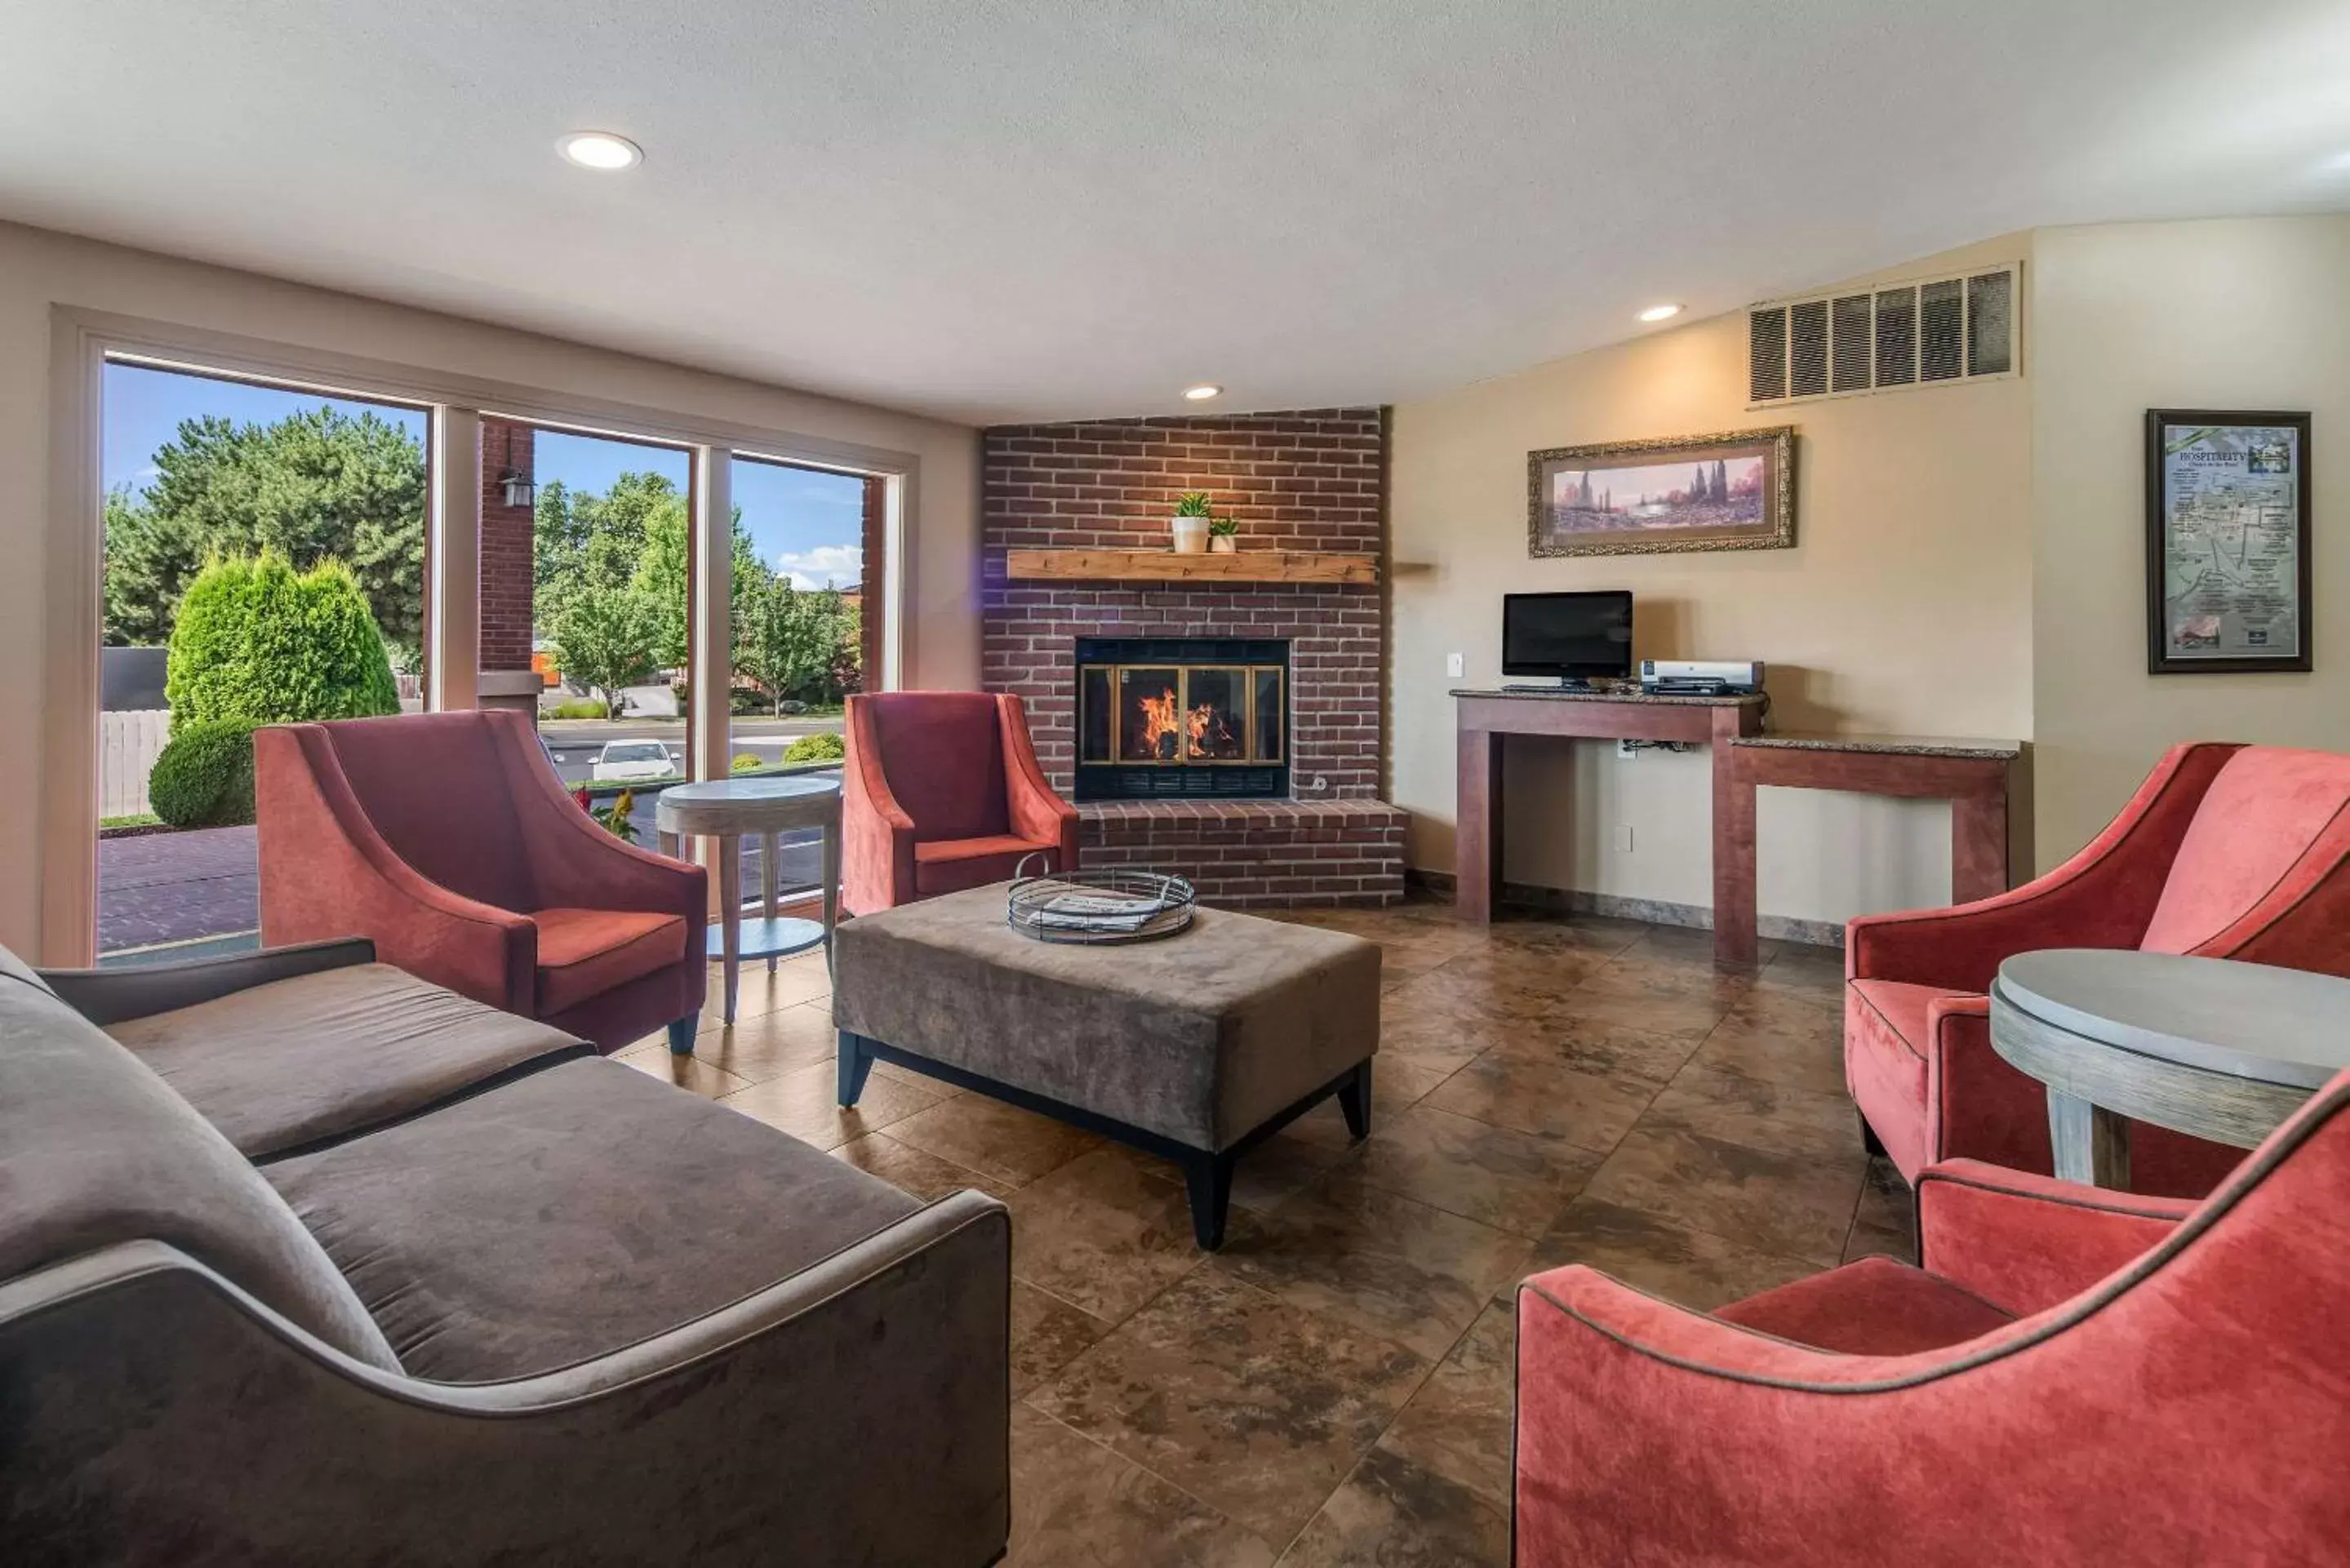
(1889, 745)
(1547, 694)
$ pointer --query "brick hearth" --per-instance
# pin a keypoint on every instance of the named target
(1305, 481)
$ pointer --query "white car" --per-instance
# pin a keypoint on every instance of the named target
(627, 762)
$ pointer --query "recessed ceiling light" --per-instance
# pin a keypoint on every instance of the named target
(1660, 313)
(1203, 392)
(600, 149)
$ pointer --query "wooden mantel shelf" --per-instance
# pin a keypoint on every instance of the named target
(1167, 566)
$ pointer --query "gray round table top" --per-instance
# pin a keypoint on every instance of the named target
(2254, 1020)
(747, 805)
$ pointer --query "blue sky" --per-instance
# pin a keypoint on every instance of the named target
(804, 522)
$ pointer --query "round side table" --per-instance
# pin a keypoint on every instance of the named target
(731, 810)
(2210, 1047)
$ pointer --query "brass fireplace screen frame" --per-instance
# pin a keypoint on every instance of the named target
(1250, 676)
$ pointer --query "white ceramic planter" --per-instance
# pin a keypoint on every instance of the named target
(1191, 535)
(1223, 544)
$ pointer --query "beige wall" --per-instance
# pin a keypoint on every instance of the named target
(2251, 313)
(39, 269)
(1906, 606)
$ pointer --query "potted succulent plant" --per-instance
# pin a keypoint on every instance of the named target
(1191, 517)
(1223, 536)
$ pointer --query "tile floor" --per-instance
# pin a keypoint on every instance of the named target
(1334, 1387)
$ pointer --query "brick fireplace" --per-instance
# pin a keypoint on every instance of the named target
(1250, 828)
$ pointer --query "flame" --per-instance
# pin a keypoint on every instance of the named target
(1159, 721)
(1197, 725)
(1163, 722)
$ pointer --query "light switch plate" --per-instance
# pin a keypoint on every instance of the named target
(1455, 666)
(1623, 837)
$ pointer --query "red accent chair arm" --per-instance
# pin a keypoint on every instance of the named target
(1036, 811)
(1649, 1434)
(2103, 896)
(574, 863)
(2028, 1242)
(877, 868)
(325, 872)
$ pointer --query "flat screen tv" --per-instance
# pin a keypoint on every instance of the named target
(1568, 637)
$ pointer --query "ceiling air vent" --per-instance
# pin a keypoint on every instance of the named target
(1908, 334)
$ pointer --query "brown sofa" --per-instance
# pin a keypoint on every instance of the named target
(302, 1260)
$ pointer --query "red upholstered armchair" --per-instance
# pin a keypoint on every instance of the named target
(942, 791)
(2074, 1377)
(2225, 852)
(447, 839)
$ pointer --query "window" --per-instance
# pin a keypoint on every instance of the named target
(241, 523)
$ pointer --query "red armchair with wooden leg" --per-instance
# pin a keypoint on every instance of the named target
(2074, 1377)
(941, 792)
(447, 840)
(2225, 851)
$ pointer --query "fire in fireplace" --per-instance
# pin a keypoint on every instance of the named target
(1176, 717)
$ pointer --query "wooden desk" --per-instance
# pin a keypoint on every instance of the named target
(1486, 717)
(1972, 775)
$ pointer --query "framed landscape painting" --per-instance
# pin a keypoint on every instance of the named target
(1730, 492)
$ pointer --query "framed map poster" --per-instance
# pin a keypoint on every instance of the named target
(2227, 541)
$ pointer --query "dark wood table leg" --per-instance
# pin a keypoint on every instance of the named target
(1477, 835)
(2092, 1144)
(1979, 844)
(1355, 1102)
(1735, 941)
(1208, 1178)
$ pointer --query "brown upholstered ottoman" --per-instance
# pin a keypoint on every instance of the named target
(1193, 1048)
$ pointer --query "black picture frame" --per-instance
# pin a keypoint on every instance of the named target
(2162, 656)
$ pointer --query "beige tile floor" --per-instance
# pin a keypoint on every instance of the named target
(1334, 1387)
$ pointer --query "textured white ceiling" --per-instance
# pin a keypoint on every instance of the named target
(994, 210)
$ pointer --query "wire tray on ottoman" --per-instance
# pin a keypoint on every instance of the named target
(1099, 906)
(1194, 1050)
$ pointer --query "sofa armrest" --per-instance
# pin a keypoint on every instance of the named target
(2028, 1242)
(856, 1412)
(2103, 896)
(1037, 812)
(107, 996)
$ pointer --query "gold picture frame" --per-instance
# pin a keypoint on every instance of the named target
(1733, 491)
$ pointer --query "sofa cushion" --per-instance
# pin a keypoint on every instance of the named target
(951, 865)
(96, 1150)
(583, 954)
(2265, 808)
(569, 1213)
(1873, 1307)
(326, 1055)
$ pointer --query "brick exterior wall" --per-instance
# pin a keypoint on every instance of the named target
(507, 545)
(1310, 479)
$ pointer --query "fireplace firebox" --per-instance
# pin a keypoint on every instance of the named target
(1174, 718)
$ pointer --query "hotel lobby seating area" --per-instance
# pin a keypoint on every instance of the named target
(1202, 787)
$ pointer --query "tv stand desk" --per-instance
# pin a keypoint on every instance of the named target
(1488, 715)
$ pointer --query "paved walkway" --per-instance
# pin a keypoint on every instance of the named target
(159, 888)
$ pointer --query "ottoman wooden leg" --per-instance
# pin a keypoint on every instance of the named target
(856, 1064)
(1209, 1178)
(1355, 1102)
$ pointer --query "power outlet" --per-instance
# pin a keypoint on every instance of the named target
(1455, 666)
(1624, 837)
(1626, 749)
